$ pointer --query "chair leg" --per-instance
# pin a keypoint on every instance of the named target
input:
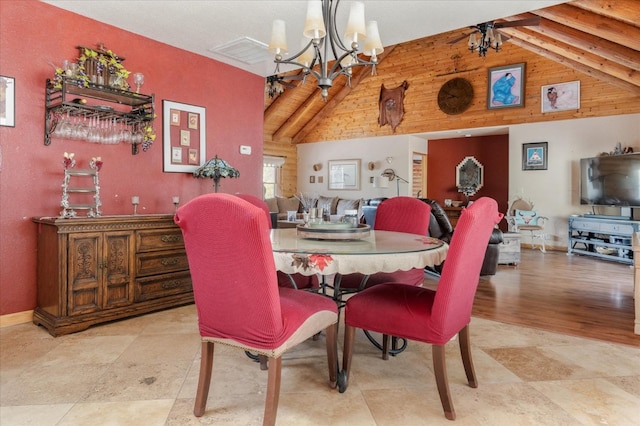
(264, 362)
(467, 360)
(440, 370)
(347, 353)
(385, 347)
(331, 334)
(273, 392)
(206, 364)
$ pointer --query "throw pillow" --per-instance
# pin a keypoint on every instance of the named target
(527, 217)
(327, 202)
(349, 205)
(287, 204)
(272, 203)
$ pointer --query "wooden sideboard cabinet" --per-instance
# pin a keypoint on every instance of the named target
(94, 270)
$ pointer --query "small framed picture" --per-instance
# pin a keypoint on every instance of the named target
(185, 138)
(176, 154)
(560, 96)
(506, 87)
(320, 179)
(535, 156)
(193, 121)
(7, 101)
(312, 179)
(174, 117)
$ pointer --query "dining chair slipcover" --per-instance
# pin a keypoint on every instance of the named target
(400, 214)
(429, 316)
(298, 281)
(237, 296)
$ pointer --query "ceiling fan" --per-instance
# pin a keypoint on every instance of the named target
(490, 39)
(276, 84)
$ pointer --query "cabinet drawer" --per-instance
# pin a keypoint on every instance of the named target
(162, 285)
(161, 262)
(159, 239)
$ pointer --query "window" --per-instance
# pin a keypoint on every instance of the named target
(271, 176)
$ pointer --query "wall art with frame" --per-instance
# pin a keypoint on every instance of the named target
(535, 156)
(344, 174)
(184, 137)
(560, 96)
(506, 86)
(7, 101)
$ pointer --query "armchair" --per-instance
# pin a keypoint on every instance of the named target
(522, 217)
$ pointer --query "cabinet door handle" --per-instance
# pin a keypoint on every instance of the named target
(170, 238)
(170, 262)
(170, 285)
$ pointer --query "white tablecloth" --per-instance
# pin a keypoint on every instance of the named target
(382, 251)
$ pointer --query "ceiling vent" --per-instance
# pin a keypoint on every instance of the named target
(245, 49)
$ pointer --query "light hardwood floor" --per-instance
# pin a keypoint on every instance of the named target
(575, 295)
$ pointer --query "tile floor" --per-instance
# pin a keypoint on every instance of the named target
(143, 371)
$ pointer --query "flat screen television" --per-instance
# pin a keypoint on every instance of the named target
(610, 180)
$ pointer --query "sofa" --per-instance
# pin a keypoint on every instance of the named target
(333, 205)
(440, 227)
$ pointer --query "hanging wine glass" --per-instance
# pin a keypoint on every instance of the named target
(138, 80)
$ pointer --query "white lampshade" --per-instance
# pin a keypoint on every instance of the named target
(380, 182)
(373, 45)
(278, 43)
(473, 41)
(307, 57)
(314, 26)
(356, 29)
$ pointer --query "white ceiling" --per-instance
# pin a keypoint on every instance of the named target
(199, 26)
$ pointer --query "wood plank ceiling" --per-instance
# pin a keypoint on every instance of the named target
(595, 37)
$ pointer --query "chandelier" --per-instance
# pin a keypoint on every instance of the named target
(488, 39)
(321, 38)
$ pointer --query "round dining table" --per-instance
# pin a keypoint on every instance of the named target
(380, 251)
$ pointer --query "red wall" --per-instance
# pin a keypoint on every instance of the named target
(491, 151)
(34, 35)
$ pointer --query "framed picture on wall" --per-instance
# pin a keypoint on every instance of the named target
(506, 87)
(535, 156)
(184, 137)
(344, 174)
(7, 101)
(560, 96)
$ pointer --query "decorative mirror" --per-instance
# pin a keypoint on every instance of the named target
(469, 176)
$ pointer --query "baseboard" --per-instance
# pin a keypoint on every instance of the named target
(16, 318)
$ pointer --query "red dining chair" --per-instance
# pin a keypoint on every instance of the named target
(425, 315)
(237, 296)
(298, 281)
(400, 214)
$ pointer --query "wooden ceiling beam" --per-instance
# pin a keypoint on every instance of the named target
(578, 55)
(573, 64)
(363, 73)
(622, 10)
(587, 42)
(298, 117)
(597, 25)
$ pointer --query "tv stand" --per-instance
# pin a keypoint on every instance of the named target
(605, 216)
(602, 237)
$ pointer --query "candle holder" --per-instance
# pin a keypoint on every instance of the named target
(176, 203)
(135, 200)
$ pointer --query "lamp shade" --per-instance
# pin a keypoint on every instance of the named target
(278, 43)
(380, 182)
(356, 29)
(373, 45)
(216, 168)
(307, 56)
(314, 26)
